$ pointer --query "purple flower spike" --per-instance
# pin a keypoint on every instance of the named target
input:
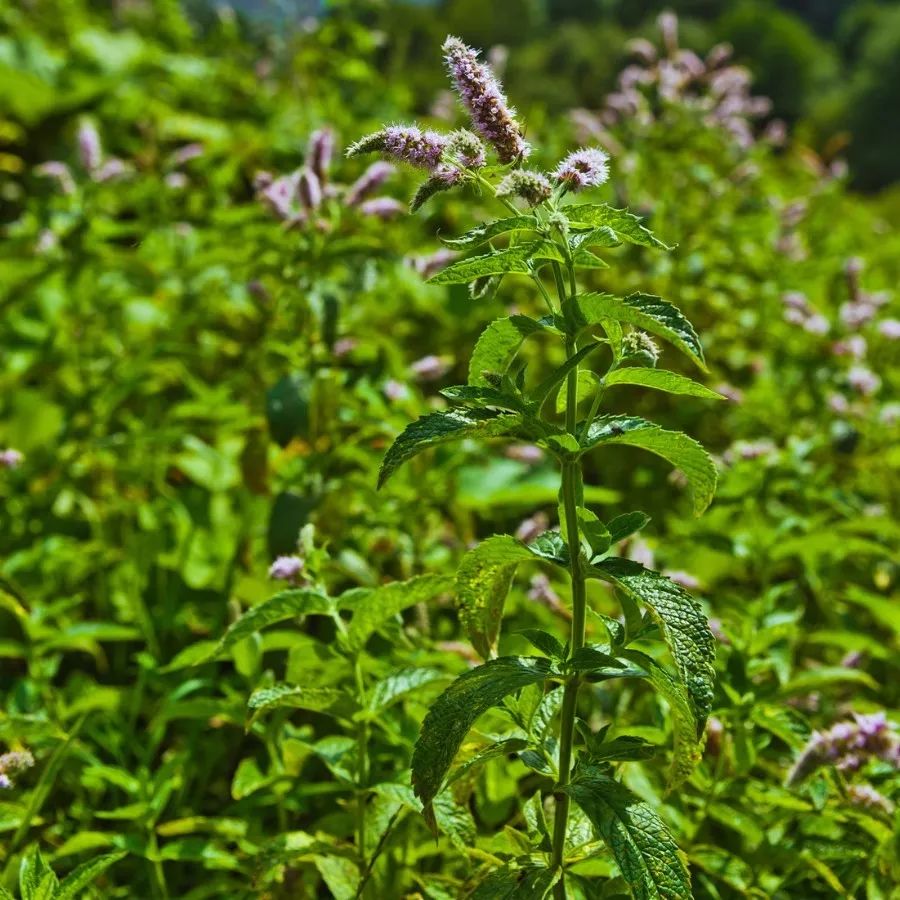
(382, 207)
(368, 182)
(320, 151)
(90, 152)
(10, 458)
(309, 190)
(405, 143)
(587, 167)
(483, 98)
(286, 568)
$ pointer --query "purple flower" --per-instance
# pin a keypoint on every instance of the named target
(483, 98)
(395, 390)
(309, 190)
(10, 458)
(111, 169)
(890, 413)
(280, 196)
(429, 368)
(46, 242)
(466, 149)
(186, 153)
(532, 187)
(90, 152)
(863, 380)
(531, 528)
(890, 328)
(13, 763)
(286, 568)
(428, 265)
(865, 796)
(682, 578)
(368, 182)
(854, 346)
(345, 345)
(405, 143)
(587, 167)
(526, 453)
(857, 313)
(730, 392)
(639, 551)
(59, 172)
(382, 207)
(319, 152)
(838, 403)
(816, 324)
(176, 181)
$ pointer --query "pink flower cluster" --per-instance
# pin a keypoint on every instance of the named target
(298, 198)
(848, 746)
(14, 763)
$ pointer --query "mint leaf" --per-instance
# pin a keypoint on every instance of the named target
(652, 314)
(677, 448)
(644, 850)
(498, 344)
(456, 710)
(625, 225)
(489, 230)
(443, 427)
(660, 380)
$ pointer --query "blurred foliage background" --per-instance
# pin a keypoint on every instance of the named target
(190, 382)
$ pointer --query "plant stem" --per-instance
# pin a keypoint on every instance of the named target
(571, 492)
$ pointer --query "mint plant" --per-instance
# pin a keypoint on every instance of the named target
(547, 235)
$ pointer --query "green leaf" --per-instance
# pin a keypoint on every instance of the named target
(592, 659)
(644, 311)
(340, 875)
(373, 608)
(455, 712)
(544, 642)
(625, 225)
(587, 383)
(287, 408)
(644, 850)
(482, 583)
(475, 395)
(36, 879)
(489, 230)
(498, 345)
(83, 875)
(551, 545)
(545, 389)
(678, 449)
(331, 701)
(584, 259)
(660, 380)
(441, 428)
(498, 262)
(681, 621)
(285, 605)
(532, 883)
(595, 532)
(398, 684)
(626, 524)
(686, 747)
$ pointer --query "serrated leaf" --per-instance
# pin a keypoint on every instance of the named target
(441, 428)
(644, 850)
(533, 883)
(587, 384)
(551, 545)
(675, 447)
(285, 605)
(376, 606)
(71, 886)
(625, 225)
(399, 684)
(498, 344)
(626, 524)
(332, 701)
(482, 583)
(686, 747)
(584, 259)
(660, 380)
(340, 874)
(35, 875)
(590, 659)
(475, 395)
(652, 314)
(475, 237)
(595, 532)
(456, 711)
(681, 622)
(497, 262)
(544, 642)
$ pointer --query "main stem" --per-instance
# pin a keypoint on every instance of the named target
(571, 491)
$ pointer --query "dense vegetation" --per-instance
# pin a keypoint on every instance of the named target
(207, 352)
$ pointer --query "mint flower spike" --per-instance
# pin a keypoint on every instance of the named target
(482, 95)
(466, 149)
(587, 167)
(404, 143)
(532, 187)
